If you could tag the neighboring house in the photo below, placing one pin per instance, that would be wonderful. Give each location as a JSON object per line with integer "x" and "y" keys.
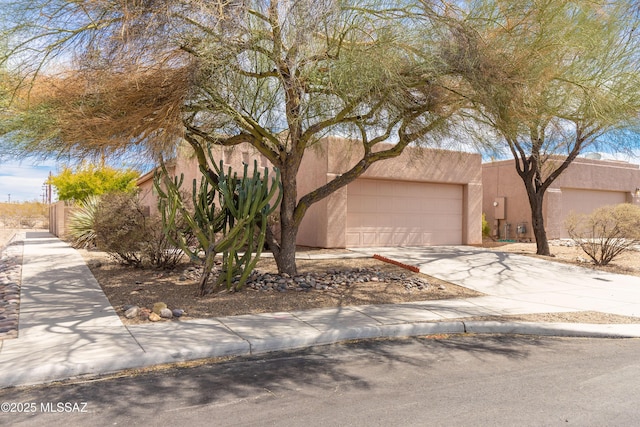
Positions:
{"x": 423, "y": 197}
{"x": 584, "y": 186}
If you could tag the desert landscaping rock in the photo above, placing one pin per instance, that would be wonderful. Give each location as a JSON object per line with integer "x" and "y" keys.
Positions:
{"x": 10, "y": 276}
{"x": 177, "y": 312}
{"x": 153, "y": 317}
{"x": 144, "y": 314}
{"x": 331, "y": 280}
{"x": 157, "y": 307}
{"x": 165, "y": 313}
{"x": 132, "y": 312}
{"x": 94, "y": 263}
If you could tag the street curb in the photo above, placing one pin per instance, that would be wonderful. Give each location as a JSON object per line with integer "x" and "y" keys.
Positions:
{"x": 583, "y": 330}
{"x": 335, "y": 336}
{"x": 48, "y": 373}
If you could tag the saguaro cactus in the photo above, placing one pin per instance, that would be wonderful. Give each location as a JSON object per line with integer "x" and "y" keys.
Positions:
{"x": 236, "y": 228}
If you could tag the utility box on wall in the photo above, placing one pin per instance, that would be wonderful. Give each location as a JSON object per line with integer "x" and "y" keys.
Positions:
{"x": 499, "y": 208}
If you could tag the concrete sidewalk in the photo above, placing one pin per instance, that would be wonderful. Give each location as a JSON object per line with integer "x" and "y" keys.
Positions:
{"x": 67, "y": 326}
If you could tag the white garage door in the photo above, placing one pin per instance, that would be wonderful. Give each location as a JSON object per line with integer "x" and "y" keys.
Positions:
{"x": 586, "y": 201}
{"x": 401, "y": 213}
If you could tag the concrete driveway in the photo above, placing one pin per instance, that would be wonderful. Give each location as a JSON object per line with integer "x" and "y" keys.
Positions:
{"x": 511, "y": 280}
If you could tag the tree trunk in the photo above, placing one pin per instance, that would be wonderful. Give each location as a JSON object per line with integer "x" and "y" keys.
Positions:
{"x": 286, "y": 256}
{"x": 286, "y": 259}
{"x": 537, "y": 221}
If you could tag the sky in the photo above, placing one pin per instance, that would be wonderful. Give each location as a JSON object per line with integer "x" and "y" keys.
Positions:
{"x": 22, "y": 181}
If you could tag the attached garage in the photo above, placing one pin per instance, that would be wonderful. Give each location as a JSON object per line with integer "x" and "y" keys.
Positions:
{"x": 582, "y": 201}
{"x": 586, "y": 201}
{"x": 584, "y": 186}
{"x": 422, "y": 197}
{"x": 403, "y": 213}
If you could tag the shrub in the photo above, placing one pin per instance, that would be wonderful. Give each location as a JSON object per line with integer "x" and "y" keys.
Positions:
{"x": 157, "y": 247}
{"x": 119, "y": 226}
{"x": 606, "y": 232}
{"x": 125, "y": 231}
{"x": 81, "y": 223}
{"x": 486, "y": 228}
{"x": 91, "y": 180}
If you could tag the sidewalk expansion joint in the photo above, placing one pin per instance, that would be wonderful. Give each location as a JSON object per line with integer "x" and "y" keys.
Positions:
{"x": 219, "y": 319}
{"x": 134, "y": 338}
{"x": 378, "y": 323}
{"x": 464, "y": 327}
{"x": 305, "y": 322}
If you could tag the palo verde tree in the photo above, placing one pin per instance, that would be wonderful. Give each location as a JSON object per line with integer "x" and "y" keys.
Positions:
{"x": 276, "y": 74}
{"x": 551, "y": 78}
{"x": 90, "y": 180}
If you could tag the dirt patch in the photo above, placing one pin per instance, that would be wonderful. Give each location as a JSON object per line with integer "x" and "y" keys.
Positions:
{"x": 178, "y": 289}
{"x": 593, "y": 317}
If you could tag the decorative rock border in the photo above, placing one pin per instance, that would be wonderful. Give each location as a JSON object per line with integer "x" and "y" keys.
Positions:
{"x": 10, "y": 281}
{"x": 329, "y": 281}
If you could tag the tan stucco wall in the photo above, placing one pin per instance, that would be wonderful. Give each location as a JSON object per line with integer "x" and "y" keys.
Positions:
{"x": 500, "y": 180}
{"x": 325, "y": 222}
{"x": 187, "y": 165}
{"x": 59, "y": 219}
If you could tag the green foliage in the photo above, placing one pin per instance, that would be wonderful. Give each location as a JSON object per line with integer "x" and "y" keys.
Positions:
{"x": 81, "y": 222}
{"x": 607, "y": 232}
{"x": 123, "y": 229}
{"x": 229, "y": 228}
{"x": 549, "y": 79}
{"x": 246, "y": 200}
{"x": 93, "y": 181}
{"x": 486, "y": 228}
{"x": 119, "y": 225}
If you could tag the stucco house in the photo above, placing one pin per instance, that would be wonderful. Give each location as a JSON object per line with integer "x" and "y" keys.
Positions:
{"x": 584, "y": 186}
{"x": 423, "y": 197}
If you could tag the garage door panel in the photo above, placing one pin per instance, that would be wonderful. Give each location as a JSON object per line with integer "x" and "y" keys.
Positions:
{"x": 444, "y": 206}
{"x": 395, "y": 213}
{"x": 582, "y": 201}
{"x": 586, "y": 201}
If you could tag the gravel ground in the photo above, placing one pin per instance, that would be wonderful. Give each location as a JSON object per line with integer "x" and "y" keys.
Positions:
{"x": 10, "y": 281}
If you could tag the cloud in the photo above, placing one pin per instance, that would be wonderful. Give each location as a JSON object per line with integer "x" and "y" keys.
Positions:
{"x": 23, "y": 180}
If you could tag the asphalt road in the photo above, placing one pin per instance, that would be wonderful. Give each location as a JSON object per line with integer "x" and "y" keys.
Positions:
{"x": 442, "y": 381}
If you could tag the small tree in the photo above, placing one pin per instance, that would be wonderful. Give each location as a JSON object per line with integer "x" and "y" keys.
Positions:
{"x": 551, "y": 78}
{"x": 607, "y": 232}
{"x": 278, "y": 75}
{"x": 90, "y": 180}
